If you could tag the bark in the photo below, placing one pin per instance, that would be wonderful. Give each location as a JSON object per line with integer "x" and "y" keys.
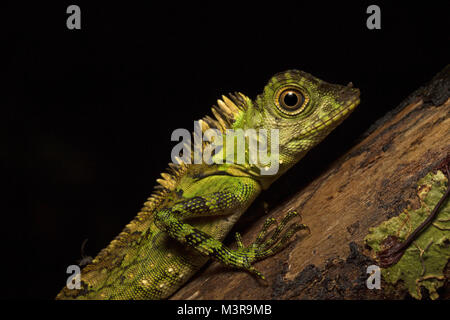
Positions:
{"x": 374, "y": 181}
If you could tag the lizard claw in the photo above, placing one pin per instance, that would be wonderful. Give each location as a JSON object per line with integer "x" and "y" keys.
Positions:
{"x": 262, "y": 248}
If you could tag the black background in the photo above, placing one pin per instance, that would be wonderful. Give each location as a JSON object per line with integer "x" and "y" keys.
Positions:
{"x": 89, "y": 113}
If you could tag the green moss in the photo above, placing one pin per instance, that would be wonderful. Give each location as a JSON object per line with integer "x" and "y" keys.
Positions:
{"x": 423, "y": 262}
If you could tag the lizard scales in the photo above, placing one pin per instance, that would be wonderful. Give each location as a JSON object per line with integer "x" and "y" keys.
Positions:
{"x": 194, "y": 206}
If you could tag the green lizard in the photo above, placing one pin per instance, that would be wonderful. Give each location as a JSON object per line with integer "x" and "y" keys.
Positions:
{"x": 194, "y": 206}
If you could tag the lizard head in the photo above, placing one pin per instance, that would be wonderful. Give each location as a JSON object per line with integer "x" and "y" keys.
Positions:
{"x": 303, "y": 108}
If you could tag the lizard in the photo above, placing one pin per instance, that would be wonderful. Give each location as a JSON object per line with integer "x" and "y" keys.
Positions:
{"x": 194, "y": 206}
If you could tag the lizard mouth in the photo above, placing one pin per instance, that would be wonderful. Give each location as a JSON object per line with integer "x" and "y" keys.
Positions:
{"x": 347, "y": 109}
{"x": 325, "y": 124}
{"x": 349, "y": 98}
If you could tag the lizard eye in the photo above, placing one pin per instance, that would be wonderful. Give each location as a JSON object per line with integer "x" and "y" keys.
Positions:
{"x": 290, "y": 100}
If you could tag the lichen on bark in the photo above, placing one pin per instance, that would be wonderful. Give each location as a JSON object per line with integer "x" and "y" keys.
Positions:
{"x": 422, "y": 265}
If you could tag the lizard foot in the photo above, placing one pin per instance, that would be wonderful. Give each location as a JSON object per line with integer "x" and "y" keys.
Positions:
{"x": 262, "y": 248}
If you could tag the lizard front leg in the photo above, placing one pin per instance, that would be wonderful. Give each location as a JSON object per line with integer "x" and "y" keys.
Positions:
{"x": 224, "y": 202}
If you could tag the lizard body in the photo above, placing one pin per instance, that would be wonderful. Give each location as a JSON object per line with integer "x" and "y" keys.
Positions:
{"x": 183, "y": 224}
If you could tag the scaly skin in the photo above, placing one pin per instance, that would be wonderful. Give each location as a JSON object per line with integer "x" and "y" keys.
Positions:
{"x": 163, "y": 247}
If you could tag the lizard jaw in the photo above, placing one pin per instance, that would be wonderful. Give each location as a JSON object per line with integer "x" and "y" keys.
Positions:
{"x": 326, "y": 123}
